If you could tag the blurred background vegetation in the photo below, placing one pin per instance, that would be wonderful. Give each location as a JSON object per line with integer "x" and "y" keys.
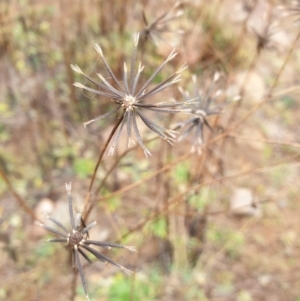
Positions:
{"x": 222, "y": 225}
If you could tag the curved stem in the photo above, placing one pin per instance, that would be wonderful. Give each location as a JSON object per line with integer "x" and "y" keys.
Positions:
{"x": 118, "y": 161}
{"x": 20, "y": 200}
{"x": 180, "y": 198}
{"x": 88, "y": 196}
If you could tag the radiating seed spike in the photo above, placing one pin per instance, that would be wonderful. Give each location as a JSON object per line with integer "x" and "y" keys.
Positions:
{"x": 141, "y": 68}
{"x": 79, "y": 85}
{"x": 99, "y": 49}
{"x": 176, "y": 79}
{"x": 172, "y": 55}
{"x": 182, "y": 68}
{"x": 128, "y": 272}
{"x": 88, "y": 122}
{"x": 101, "y": 77}
{"x": 76, "y": 69}
{"x": 147, "y": 152}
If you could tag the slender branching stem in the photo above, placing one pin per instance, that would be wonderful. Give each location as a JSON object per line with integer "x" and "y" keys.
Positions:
{"x": 19, "y": 199}
{"x": 180, "y": 198}
{"x": 148, "y": 178}
{"x": 88, "y": 196}
{"x": 113, "y": 167}
{"x": 265, "y": 99}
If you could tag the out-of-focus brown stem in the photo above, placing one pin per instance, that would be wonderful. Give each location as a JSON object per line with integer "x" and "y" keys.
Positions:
{"x": 182, "y": 196}
{"x": 19, "y": 199}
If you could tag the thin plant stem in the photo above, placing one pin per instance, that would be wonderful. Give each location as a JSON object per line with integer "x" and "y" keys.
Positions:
{"x": 88, "y": 196}
{"x": 19, "y": 199}
{"x": 248, "y": 75}
{"x": 281, "y": 143}
{"x": 182, "y": 197}
{"x": 113, "y": 167}
{"x": 265, "y": 99}
{"x": 148, "y": 178}
{"x": 241, "y": 34}
{"x": 119, "y": 158}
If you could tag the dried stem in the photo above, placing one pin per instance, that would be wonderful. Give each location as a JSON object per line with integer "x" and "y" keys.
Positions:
{"x": 19, "y": 199}
{"x": 182, "y": 197}
{"x": 260, "y": 104}
{"x": 86, "y": 208}
{"x": 149, "y": 177}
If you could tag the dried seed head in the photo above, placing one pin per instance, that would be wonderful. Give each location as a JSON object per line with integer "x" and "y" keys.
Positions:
{"x": 131, "y": 100}
{"x": 77, "y": 241}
